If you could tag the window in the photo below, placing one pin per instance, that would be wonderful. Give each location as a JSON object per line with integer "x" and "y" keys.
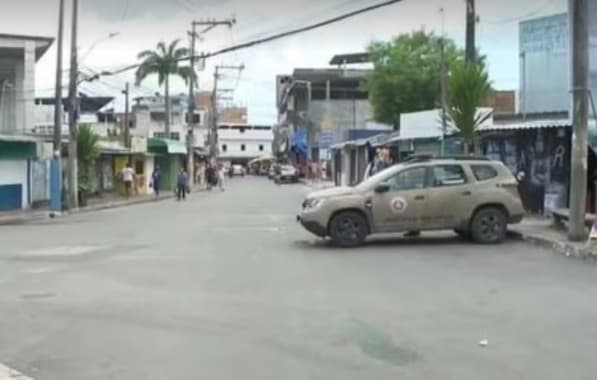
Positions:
{"x": 243, "y": 147}
{"x": 224, "y": 148}
{"x": 159, "y": 135}
{"x": 409, "y": 179}
{"x": 448, "y": 175}
{"x": 484, "y": 172}
{"x": 175, "y": 136}
{"x": 261, "y": 148}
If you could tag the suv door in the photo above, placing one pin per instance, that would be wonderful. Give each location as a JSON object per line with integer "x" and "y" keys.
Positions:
{"x": 402, "y": 206}
{"x": 449, "y": 194}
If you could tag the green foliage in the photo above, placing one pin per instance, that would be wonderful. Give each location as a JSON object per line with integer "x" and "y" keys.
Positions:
{"x": 163, "y": 62}
{"x": 88, "y": 152}
{"x": 407, "y": 72}
{"x": 469, "y": 88}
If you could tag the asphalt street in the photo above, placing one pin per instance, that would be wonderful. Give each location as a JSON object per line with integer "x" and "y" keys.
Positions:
{"x": 227, "y": 286}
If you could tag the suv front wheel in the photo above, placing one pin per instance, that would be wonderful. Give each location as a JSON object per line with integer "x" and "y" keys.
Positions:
{"x": 348, "y": 229}
{"x": 489, "y": 226}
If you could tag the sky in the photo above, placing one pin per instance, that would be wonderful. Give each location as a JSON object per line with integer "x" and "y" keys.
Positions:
{"x": 141, "y": 24}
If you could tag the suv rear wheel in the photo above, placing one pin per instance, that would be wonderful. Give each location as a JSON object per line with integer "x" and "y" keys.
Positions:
{"x": 489, "y": 226}
{"x": 348, "y": 229}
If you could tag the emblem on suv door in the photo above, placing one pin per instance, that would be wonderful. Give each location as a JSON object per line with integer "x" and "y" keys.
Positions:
{"x": 398, "y": 205}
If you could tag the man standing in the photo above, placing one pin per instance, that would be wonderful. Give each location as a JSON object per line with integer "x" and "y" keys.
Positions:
{"x": 182, "y": 185}
{"x": 156, "y": 179}
{"x": 128, "y": 177}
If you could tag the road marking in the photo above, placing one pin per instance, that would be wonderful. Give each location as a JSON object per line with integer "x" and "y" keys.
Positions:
{"x": 7, "y": 373}
{"x": 75, "y": 250}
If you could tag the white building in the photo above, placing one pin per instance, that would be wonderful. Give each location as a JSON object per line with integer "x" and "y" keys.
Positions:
{"x": 149, "y": 115}
{"x": 243, "y": 142}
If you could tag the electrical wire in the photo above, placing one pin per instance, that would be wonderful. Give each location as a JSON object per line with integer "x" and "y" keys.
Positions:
{"x": 275, "y": 36}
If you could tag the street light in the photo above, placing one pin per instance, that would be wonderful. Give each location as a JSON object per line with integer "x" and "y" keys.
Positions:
{"x": 97, "y": 42}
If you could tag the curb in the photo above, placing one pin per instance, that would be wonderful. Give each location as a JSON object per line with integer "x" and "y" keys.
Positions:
{"x": 46, "y": 215}
{"x": 564, "y": 248}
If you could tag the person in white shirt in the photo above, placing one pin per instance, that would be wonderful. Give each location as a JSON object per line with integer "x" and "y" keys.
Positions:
{"x": 128, "y": 177}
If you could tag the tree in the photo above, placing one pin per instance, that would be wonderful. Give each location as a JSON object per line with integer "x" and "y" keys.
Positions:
{"x": 406, "y": 77}
{"x": 163, "y": 62}
{"x": 88, "y": 152}
{"x": 469, "y": 87}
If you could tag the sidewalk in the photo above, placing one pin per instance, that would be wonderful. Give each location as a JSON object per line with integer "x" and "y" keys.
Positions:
{"x": 542, "y": 232}
{"x": 318, "y": 184}
{"x": 106, "y": 201}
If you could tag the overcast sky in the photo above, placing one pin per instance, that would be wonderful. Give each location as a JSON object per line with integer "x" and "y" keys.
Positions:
{"x": 142, "y": 23}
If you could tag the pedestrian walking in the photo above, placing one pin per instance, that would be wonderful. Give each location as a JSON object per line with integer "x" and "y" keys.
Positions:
{"x": 128, "y": 177}
{"x": 222, "y": 178}
{"x": 182, "y": 185}
{"x": 209, "y": 176}
{"x": 156, "y": 180}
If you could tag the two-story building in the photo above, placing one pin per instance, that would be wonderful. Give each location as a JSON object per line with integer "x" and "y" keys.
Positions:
{"x": 23, "y": 179}
{"x": 240, "y": 143}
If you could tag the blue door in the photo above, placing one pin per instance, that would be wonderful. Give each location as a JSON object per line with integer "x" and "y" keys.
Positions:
{"x": 11, "y": 197}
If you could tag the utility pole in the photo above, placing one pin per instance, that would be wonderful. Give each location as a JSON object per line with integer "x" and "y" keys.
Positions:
{"x": 209, "y": 25}
{"x": 471, "y": 18}
{"x": 578, "y": 10}
{"x": 126, "y": 128}
{"x": 213, "y": 135}
{"x": 444, "y": 86}
{"x": 58, "y": 92}
{"x": 73, "y": 186}
{"x": 56, "y": 167}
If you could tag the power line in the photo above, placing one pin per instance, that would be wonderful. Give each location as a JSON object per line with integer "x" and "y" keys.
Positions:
{"x": 276, "y": 36}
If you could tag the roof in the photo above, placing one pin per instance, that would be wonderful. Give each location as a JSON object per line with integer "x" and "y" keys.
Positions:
{"x": 531, "y": 124}
{"x": 340, "y": 59}
{"x": 41, "y": 43}
{"x": 20, "y": 138}
{"x": 87, "y": 103}
{"x": 330, "y": 74}
{"x": 166, "y": 146}
{"x": 373, "y": 140}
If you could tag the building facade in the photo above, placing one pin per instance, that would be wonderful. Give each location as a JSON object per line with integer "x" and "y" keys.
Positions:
{"x": 240, "y": 143}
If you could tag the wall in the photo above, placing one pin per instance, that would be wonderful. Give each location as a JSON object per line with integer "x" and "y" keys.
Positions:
{"x": 339, "y": 116}
{"x": 16, "y": 172}
{"x": 543, "y": 155}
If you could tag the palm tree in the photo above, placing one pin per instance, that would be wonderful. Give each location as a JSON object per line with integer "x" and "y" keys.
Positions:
{"x": 469, "y": 88}
{"x": 88, "y": 152}
{"x": 163, "y": 62}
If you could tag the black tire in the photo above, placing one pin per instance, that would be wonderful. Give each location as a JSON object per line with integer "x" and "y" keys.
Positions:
{"x": 348, "y": 229}
{"x": 465, "y": 234}
{"x": 489, "y": 226}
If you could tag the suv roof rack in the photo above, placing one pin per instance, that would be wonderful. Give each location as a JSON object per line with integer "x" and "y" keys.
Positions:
{"x": 429, "y": 157}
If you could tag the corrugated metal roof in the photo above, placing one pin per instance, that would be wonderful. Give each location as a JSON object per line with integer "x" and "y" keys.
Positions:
{"x": 531, "y": 124}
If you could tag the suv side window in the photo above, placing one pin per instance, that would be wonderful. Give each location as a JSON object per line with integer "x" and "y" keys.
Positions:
{"x": 409, "y": 179}
{"x": 448, "y": 175}
{"x": 484, "y": 172}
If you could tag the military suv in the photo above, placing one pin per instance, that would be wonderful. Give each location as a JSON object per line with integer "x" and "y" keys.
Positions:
{"x": 475, "y": 197}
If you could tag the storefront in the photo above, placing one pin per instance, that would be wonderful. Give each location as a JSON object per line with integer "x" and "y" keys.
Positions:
{"x": 170, "y": 155}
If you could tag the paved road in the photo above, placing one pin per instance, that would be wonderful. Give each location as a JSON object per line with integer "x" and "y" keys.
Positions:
{"x": 226, "y": 286}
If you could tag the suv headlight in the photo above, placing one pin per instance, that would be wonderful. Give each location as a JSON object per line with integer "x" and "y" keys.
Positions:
{"x": 312, "y": 203}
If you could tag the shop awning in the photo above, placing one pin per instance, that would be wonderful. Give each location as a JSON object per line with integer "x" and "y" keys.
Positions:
{"x": 201, "y": 152}
{"x": 166, "y": 146}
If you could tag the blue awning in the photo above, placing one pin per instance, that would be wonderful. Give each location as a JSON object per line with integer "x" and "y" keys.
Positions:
{"x": 299, "y": 140}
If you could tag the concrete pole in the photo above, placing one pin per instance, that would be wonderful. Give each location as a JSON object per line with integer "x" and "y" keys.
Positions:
{"x": 578, "y": 10}
{"x": 126, "y": 127}
{"x": 56, "y": 165}
{"x": 470, "y": 31}
{"x": 73, "y": 183}
{"x": 191, "y": 113}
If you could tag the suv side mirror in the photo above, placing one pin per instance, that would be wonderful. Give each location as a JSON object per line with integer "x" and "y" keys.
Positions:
{"x": 382, "y": 188}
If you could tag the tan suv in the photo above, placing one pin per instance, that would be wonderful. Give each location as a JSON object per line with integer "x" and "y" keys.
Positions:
{"x": 475, "y": 197}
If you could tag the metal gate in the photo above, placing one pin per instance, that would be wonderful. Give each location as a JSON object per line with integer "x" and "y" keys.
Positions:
{"x": 40, "y": 181}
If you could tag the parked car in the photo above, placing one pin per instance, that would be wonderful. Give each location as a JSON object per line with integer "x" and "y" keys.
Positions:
{"x": 475, "y": 197}
{"x": 237, "y": 170}
{"x": 287, "y": 174}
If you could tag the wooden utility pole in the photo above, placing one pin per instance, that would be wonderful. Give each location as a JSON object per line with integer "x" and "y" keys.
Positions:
{"x": 126, "y": 128}
{"x": 578, "y": 10}
{"x": 58, "y": 90}
{"x": 73, "y": 185}
{"x": 471, "y": 18}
